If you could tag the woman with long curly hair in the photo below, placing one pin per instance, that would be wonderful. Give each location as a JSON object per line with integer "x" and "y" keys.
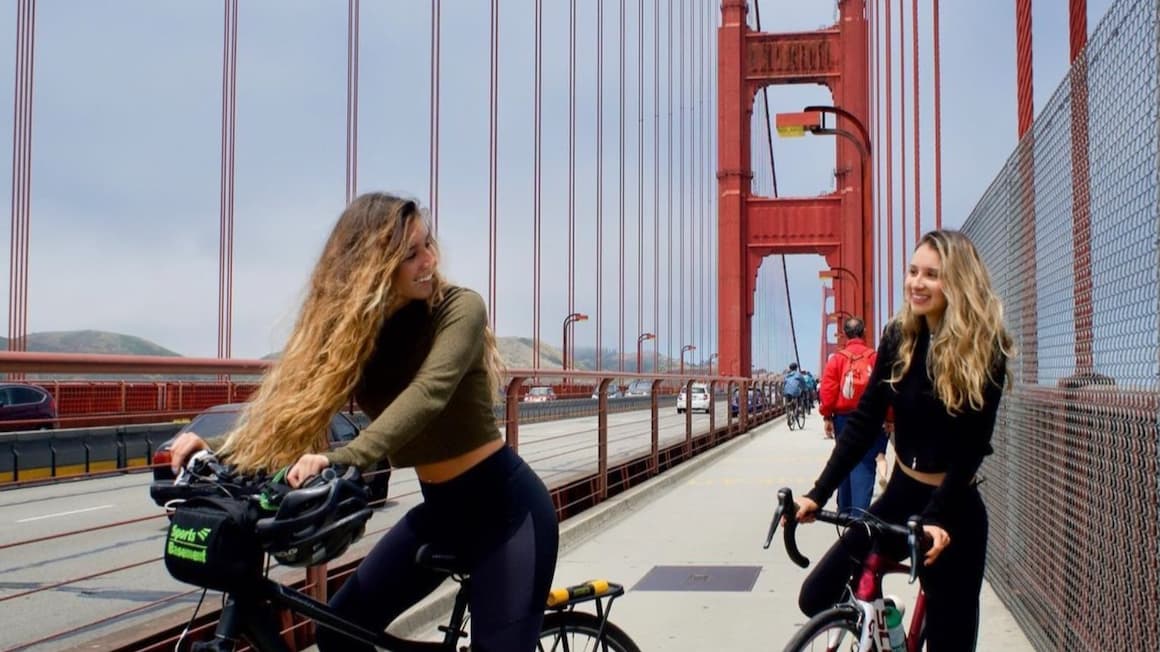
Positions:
{"x": 942, "y": 366}
{"x": 381, "y": 325}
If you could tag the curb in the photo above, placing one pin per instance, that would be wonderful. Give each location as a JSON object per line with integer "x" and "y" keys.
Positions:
{"x": 432, "y": 611}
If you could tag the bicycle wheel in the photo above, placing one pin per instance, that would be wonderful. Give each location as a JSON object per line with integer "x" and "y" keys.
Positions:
{"x": 800, "y": 413}
{"x": 832, "y": 630}
{"x": 576, "y": 631}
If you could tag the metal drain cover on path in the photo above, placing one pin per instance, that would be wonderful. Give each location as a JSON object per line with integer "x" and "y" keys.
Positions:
{"x": 699, "y": 578}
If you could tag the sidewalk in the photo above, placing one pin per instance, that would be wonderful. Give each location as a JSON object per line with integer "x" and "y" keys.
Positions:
{"x": 717, "y": 516}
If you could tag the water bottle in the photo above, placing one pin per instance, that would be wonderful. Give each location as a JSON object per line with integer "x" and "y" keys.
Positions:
{"x": 894, "y": 628}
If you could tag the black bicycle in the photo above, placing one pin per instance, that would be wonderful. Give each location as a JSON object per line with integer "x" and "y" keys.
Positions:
{"x": 219, "y": 539}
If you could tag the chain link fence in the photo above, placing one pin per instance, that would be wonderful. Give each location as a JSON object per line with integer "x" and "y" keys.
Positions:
{"x": 1071, "y": 233}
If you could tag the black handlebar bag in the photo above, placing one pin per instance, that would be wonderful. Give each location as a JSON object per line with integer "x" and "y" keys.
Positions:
{"x": 211, "y": 543}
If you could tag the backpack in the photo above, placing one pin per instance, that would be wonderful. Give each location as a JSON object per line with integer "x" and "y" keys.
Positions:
{"x": 854, "y": 380}
{"x": 793, "y": 385}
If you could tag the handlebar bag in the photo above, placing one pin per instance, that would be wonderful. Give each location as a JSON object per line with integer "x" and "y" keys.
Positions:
{"x": 211, "y": 543}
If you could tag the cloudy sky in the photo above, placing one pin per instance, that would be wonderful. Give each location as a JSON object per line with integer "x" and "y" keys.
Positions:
{"x": 126, "y": 160}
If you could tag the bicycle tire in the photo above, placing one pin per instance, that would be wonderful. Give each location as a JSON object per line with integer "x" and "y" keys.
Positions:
{"x": 576, "y": 631}
{"x": 844, "y": 619}
{"x": 801, "y": 419}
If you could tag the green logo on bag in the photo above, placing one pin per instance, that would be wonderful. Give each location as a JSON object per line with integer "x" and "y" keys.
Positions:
{"x": 189, "y": 535}
{"x": 187, "y": 543}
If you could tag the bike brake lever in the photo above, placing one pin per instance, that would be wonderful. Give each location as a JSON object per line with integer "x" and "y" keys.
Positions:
{"x": 913, "y": 537}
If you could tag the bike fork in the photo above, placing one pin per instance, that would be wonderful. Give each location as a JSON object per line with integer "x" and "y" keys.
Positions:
{"x": 248, "y": 616}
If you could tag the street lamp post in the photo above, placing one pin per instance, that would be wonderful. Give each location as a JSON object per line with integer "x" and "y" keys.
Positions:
{"x": 687, "y": 347}
{"x": 569, "y": 320}
{"x": 640, "y": 339}
{"x": 811, "y": 120}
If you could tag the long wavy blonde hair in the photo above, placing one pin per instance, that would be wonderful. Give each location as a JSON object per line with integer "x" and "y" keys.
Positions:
{"x": 350, "y": 296}
{"x": 963, "y": 349}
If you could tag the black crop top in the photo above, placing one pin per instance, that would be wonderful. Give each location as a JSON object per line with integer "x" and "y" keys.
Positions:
{"x": 926, "y": 437}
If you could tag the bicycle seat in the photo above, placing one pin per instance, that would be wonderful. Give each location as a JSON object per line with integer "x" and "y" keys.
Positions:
{"x": 442, "y": 561}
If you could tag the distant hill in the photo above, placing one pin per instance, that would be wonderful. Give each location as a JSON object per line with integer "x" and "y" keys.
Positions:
{"x": 91, "y": 342}
{"x": 517, "y": 354}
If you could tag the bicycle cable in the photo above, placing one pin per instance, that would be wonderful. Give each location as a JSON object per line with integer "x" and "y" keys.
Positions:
{"x": 184, "y": 632}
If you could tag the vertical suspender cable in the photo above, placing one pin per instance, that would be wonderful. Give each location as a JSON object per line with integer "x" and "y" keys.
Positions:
{"x": 917, "y": 99}
{"x": 352, "y": 49}
{"x": 493, "y": 175}
{"x": 902, "y": 124}
{"x": 536, "y": 199}
{"x": 657, "y": 182}
{"x": 640, "y": 175}
{"x": 669, "y": 167}
{"x": 937, "y": 118}
{"x": 226, "y": 233}
{"x": 620, "y": 212}
{"x": 889, "y": 120}
{"x": 436, "y": 47}
{"x": 21, "y": 202}
{"x": 571, "y": 174}
{"x": 599, "y": 183}
{"x": 681, "y": 182}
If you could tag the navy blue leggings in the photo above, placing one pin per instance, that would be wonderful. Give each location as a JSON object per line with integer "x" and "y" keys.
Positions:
{"x": 952, "y": 584}
{"x": 499, "y": 517}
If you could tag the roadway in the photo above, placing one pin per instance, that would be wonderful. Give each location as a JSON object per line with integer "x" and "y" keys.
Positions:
{"x": 141, "y": 590}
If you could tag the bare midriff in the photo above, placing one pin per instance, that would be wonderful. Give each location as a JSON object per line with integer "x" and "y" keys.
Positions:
{"x": 444, "y": 470}
{"x": 932, "y": 479}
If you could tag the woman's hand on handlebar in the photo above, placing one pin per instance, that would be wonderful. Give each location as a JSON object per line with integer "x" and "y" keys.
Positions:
{"x": 307, "y": 466}
{"x": 183, "y": 448}
{"x": 805, "y": 509}
{"x": 940, "y": 539}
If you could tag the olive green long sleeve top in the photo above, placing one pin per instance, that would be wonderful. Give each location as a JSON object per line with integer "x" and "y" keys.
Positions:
{"x": 426, "y": 386}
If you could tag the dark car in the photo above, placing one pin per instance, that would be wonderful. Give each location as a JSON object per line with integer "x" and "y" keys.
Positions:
{"x": 23, "y": 403}
{"x": 756, "y": 402}
{"x": 220, "y": 419}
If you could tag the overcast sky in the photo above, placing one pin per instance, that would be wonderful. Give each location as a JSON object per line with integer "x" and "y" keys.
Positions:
{"x": 126, "y": 160}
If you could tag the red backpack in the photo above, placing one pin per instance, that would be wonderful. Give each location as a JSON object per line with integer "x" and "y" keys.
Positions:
{"x": 854, "y": 379}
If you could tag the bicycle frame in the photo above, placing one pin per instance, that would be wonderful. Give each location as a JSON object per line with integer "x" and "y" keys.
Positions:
{"x": 868, "y": 600}
{"x": 249, "y": 615}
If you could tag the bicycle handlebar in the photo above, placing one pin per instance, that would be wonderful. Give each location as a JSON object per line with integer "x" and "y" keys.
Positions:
{"x": 916, "y": 539}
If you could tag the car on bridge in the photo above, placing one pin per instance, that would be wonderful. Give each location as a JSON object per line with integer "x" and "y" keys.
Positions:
{"x": 220, "y": 419}
{"x": 698, "y": 401}
{"x": 30, "y": 406}
{"x": 540, "y": 394}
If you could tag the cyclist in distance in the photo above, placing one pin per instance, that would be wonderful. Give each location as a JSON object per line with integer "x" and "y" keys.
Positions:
{"x": 942, "y": 365}
{"x": 380, "y": 323}
{"x": 794, "y": 383}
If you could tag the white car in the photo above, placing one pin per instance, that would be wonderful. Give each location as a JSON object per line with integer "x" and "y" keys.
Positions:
{"x": 699, "y": 400}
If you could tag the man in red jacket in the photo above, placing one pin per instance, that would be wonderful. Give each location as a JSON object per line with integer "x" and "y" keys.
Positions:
{"x": 844, "y": 380}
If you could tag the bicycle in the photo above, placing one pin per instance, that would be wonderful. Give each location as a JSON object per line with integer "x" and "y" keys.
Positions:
{"x": 317, "y": 523}
{"x": 861, "y": 616}
{"x": 795, "y": 412}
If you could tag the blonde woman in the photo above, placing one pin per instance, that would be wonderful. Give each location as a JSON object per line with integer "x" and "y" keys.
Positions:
{"x": 942, "y": 365}
{"x": 380, "y": 324}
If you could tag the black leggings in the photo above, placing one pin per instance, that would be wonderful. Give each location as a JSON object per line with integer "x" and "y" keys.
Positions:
{"x": 499, "y": 517}
{"x": 952, "y": 584}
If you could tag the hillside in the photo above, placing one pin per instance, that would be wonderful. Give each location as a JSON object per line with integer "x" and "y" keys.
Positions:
{"x": 517, "y": 354}
{"x": 91, "y": 342}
